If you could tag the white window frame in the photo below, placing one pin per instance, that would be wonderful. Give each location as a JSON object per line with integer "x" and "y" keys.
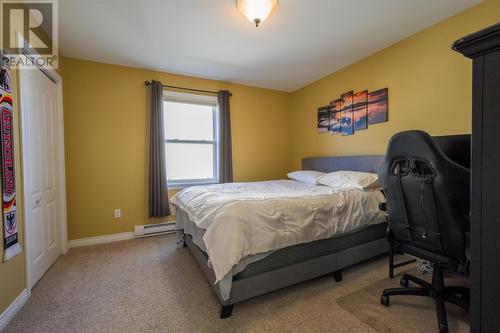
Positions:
{"x": 179, "y": 97}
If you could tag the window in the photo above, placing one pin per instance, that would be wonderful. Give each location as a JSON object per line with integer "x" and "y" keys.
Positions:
{"x": 191, "y": 139}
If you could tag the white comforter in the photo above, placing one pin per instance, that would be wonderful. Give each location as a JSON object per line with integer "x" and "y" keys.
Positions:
{"x": 245, "y": 219}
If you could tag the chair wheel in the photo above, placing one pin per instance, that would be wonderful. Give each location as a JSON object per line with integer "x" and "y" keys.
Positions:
{"x": 384, "y": 300}
{"x": 404, "y": 282}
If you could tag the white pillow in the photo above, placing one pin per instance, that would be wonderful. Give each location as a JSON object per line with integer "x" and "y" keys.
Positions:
{"x": 306, "y": 176}
{"x": 350, "y": 179}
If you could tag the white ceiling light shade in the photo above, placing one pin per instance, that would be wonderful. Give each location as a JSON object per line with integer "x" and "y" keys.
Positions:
{"x": 256, "y": 11}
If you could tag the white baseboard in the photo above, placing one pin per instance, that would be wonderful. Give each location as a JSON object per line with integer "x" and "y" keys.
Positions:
{"x": 13, "y": 309}
{"x": 101, "y": 239}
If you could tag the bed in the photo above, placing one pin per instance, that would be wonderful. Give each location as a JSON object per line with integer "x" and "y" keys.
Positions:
{"x": 289, "y": 258}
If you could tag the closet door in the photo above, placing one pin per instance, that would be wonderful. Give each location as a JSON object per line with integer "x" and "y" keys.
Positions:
{"x": 40, "y": 155}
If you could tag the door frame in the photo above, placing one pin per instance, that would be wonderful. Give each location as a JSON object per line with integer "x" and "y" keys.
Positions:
{"x": 63, "y": 226}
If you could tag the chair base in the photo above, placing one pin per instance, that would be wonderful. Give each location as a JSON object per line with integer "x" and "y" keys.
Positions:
{"x": 459, "y": 296}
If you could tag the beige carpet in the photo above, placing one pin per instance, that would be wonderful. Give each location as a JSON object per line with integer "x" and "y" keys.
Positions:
{"x": 148, "y": 285}
{"x": 410, "y": 314}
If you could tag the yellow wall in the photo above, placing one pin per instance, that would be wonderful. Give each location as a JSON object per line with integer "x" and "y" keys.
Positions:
{"x": 105, "y": 109}
{"x": 106, "y": 123}
{"x": 429, "y": 89}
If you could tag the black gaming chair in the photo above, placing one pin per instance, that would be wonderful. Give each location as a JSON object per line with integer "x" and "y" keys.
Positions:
{"x": 428, "y": 213}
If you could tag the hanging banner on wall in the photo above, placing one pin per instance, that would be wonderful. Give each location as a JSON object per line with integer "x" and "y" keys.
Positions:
{"x": 10, "y": 228}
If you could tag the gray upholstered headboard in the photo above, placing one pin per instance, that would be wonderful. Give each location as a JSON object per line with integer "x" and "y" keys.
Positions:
{"x": 364, "y": 163}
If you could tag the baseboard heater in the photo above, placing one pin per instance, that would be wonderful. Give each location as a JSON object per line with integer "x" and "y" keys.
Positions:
{"x": 154, "y": 229}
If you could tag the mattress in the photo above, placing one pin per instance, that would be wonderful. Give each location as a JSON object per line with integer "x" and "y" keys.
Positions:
{"x": 243, "y": 220}
{"x": 300, "y": 253}
{"x": 290, "y": 255}
{"x": 272, "y": 260}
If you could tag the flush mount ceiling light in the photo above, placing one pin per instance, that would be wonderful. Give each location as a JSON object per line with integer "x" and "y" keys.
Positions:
{"x": 256, "y": 11}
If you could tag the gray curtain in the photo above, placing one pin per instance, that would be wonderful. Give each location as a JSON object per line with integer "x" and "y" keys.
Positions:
{"x": 225, "y": 149}
{"x": 158, "y": 195}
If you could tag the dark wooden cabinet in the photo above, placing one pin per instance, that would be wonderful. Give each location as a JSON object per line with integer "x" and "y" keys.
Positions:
{"x": 483, "y": 48}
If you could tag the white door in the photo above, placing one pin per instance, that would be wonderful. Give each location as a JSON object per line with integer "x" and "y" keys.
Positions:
{"x": 40, "y": 140}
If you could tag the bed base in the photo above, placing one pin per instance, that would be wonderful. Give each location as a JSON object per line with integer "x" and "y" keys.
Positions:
{"x": 286, "y": 276}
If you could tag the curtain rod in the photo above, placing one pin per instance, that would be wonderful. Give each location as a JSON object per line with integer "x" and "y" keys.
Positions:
{"x": 148, "y": 83}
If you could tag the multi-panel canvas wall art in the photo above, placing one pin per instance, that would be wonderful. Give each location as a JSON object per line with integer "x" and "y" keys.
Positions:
{"x": 353, "y": 112}
{"x": 377, "y": 107}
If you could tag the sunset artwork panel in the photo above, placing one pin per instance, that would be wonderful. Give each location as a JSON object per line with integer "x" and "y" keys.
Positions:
{"x": 347, "y": 116}
{"x": 346, "y": 100}
{"x": 347, "y": 122}
{"x": 377, "y": 106}
{"x": 335, "y": 116}
{"x": 360, "y": 110}
{"x": 323, "y": 119}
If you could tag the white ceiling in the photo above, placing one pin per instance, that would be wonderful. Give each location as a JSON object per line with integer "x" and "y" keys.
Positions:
{"x": 302, "y": 41}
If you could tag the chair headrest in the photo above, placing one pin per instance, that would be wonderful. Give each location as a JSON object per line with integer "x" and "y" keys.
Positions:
{"x": 415, "y": 143}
